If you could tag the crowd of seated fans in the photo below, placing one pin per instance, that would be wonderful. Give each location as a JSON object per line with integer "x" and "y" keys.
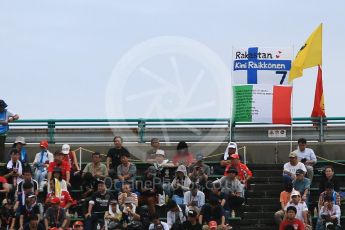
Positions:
{"x": 295, "y": 199}
{"x": 37, "y": 195}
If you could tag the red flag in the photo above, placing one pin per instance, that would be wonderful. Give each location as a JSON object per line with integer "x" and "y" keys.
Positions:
{"x": 319, "y": 106}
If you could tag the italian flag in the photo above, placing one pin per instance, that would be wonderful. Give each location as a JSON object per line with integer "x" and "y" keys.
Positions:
{"x": 262, "y": 104}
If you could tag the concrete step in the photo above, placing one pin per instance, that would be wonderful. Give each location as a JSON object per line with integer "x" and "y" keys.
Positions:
{"x": 253, "y": 215}
{"x": 268, "y": 173}
{"x": 265, "y": 180}
{"x": 263, "y": 194}
{"x": 263, "y": 207}
{"x": 278, "y": 187}
{"x": 256, "y": 201}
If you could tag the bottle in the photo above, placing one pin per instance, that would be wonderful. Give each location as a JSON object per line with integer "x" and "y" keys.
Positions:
{"x": 76, "y": 215}
{"x": 233, "y": 214}
{"x": 211, "y": 170}
{"x": 98, "y": 226}
{"x": 315, "y": 212}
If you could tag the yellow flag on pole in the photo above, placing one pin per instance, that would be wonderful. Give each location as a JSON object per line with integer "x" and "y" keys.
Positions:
{"x": 309, "y": 55}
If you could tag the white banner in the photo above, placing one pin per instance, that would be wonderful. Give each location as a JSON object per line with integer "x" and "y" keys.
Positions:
{"x": 261, "y": 65}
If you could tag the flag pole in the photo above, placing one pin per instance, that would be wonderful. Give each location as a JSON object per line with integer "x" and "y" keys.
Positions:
{"x": 291, "y": 126}
{"x": 231, "y": 94}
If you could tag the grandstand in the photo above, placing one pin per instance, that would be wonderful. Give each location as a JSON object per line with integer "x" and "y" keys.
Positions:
{"x": 264, "y": 155}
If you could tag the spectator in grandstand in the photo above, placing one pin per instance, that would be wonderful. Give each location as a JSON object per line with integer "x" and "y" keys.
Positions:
{"x": 6, "y": 116}
{"x": 59, "y": 162}
{"x": 216, "y": 193}
{"x": 285, "y": 197}
{"x": 34, "y": 223}
{"x": 19, "y": 144}
{"x": 194, "y": 199}
{"x": 113, "y": 216}
{"x": 56, "y": 189}
{"x": 301, "y": 207}
{"x": 151, "y": 153}
{"x": 291, "y": 220}
{"x": 244, "y": 173}
{"x": 157, "y": 224}
{"x": 126, "y": 191}
{"x": 302, "y": 185}
{"x": 28, "y": 188}
{"x": 329, "y": 191}
{"x": 160, "y": 161}
{"x": 41, "y": 163}
{"x": 13, "y": 172}
{"x": 329, "y": 215}
{"x": 192, "y": 222}
{"x": 329, "y": 176}
{"x": 29, "y": 209}
{"x": 78, "y": 225}
{"x": 199, "y": 171}
{"x": 232, "y": 190}
{"x": 70, "y": 157}
{"x": 182, "y": 156}
{"x": 225, "y": 160}
{"x": 306, "y": 156}
{"x": 55, "y": 216}
{"x": 126, "y": 172}
{"x": 290, "y": 168}
{"x": 98, "y": 205}
{"x": 4, "y": 188}
{"x": 89, "y": 185}
{"x": 114, "y": 155}
{"x": 27, "y": 178}
{"x": 6, "y": 214}
{"x": 175, "y": 215}
{"x": 131, "y": 218}
{"x": 96, "y": 168}
{"x": 213, "y": 211}
{"x": 181, "y": 180}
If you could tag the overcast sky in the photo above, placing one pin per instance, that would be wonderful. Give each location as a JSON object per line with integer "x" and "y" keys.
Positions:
{"x": 122, "y": 59}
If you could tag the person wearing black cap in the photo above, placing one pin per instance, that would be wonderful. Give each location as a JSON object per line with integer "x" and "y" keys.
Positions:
{"x": 291, "y": 220}
{"x": 6, "y": 116}
{"x": 192, "y": 222}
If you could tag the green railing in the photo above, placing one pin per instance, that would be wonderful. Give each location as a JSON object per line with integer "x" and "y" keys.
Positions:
{"x": 141, "y": 124}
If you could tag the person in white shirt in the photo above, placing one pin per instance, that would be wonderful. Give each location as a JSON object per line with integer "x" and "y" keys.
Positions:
{"x": 157, "y": 224}
{"x": 301, "y": 207}
{"x": 194, "y": 199}
{"x": 41, "y": 163}
{"x": 175, "y": 215}
{"x": 290, "y": 168}
{"x": 329, "y": 215}
{"x": 306, "y": 156}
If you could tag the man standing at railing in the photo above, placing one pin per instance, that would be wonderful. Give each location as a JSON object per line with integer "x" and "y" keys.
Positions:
{"x": 6, "y": 116}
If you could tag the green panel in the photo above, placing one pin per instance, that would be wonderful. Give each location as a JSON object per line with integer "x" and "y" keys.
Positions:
{"x": 243, "y": 103}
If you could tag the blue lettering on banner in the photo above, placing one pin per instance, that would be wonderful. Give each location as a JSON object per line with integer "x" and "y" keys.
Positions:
{"x": 253, "y": 64}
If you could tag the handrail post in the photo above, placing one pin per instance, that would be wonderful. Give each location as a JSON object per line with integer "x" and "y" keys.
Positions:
{"x": 141, "y": 126}
{"x": 321, "y": 130}
{"x": 51, "y": 131}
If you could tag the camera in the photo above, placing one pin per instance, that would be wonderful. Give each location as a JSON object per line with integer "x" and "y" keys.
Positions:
{"x": 303, "y": 160}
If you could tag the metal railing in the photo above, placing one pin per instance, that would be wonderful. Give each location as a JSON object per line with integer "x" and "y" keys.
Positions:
{"x": 321, "y": 129}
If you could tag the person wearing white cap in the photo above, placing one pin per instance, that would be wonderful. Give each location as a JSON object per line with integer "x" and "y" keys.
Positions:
{"x": 19, "y": 145}
{"x": 225, "y": 159}
{"x": 301, "y": 207}
{"x": 161, "y": 161}
{"x": 71, "y": 157}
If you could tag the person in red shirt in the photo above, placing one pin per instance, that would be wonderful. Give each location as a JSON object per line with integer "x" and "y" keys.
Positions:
{"x": 244, "y": 173}
{"x": 183, "y": 156}
{"x": 66, "y": 201}
{"x": 291, "y": 220}
{"x": 59, "y": 162}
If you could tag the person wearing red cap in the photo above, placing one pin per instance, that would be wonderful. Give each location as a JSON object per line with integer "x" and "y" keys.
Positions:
{"x": 6, "y": 116}
{"x": 41, "y": 163}
{"x": 244, "y": 173}
{"x": 55, "y": 216}
{"x": 78, "y": 225}
{"x": 59, "y": 162}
